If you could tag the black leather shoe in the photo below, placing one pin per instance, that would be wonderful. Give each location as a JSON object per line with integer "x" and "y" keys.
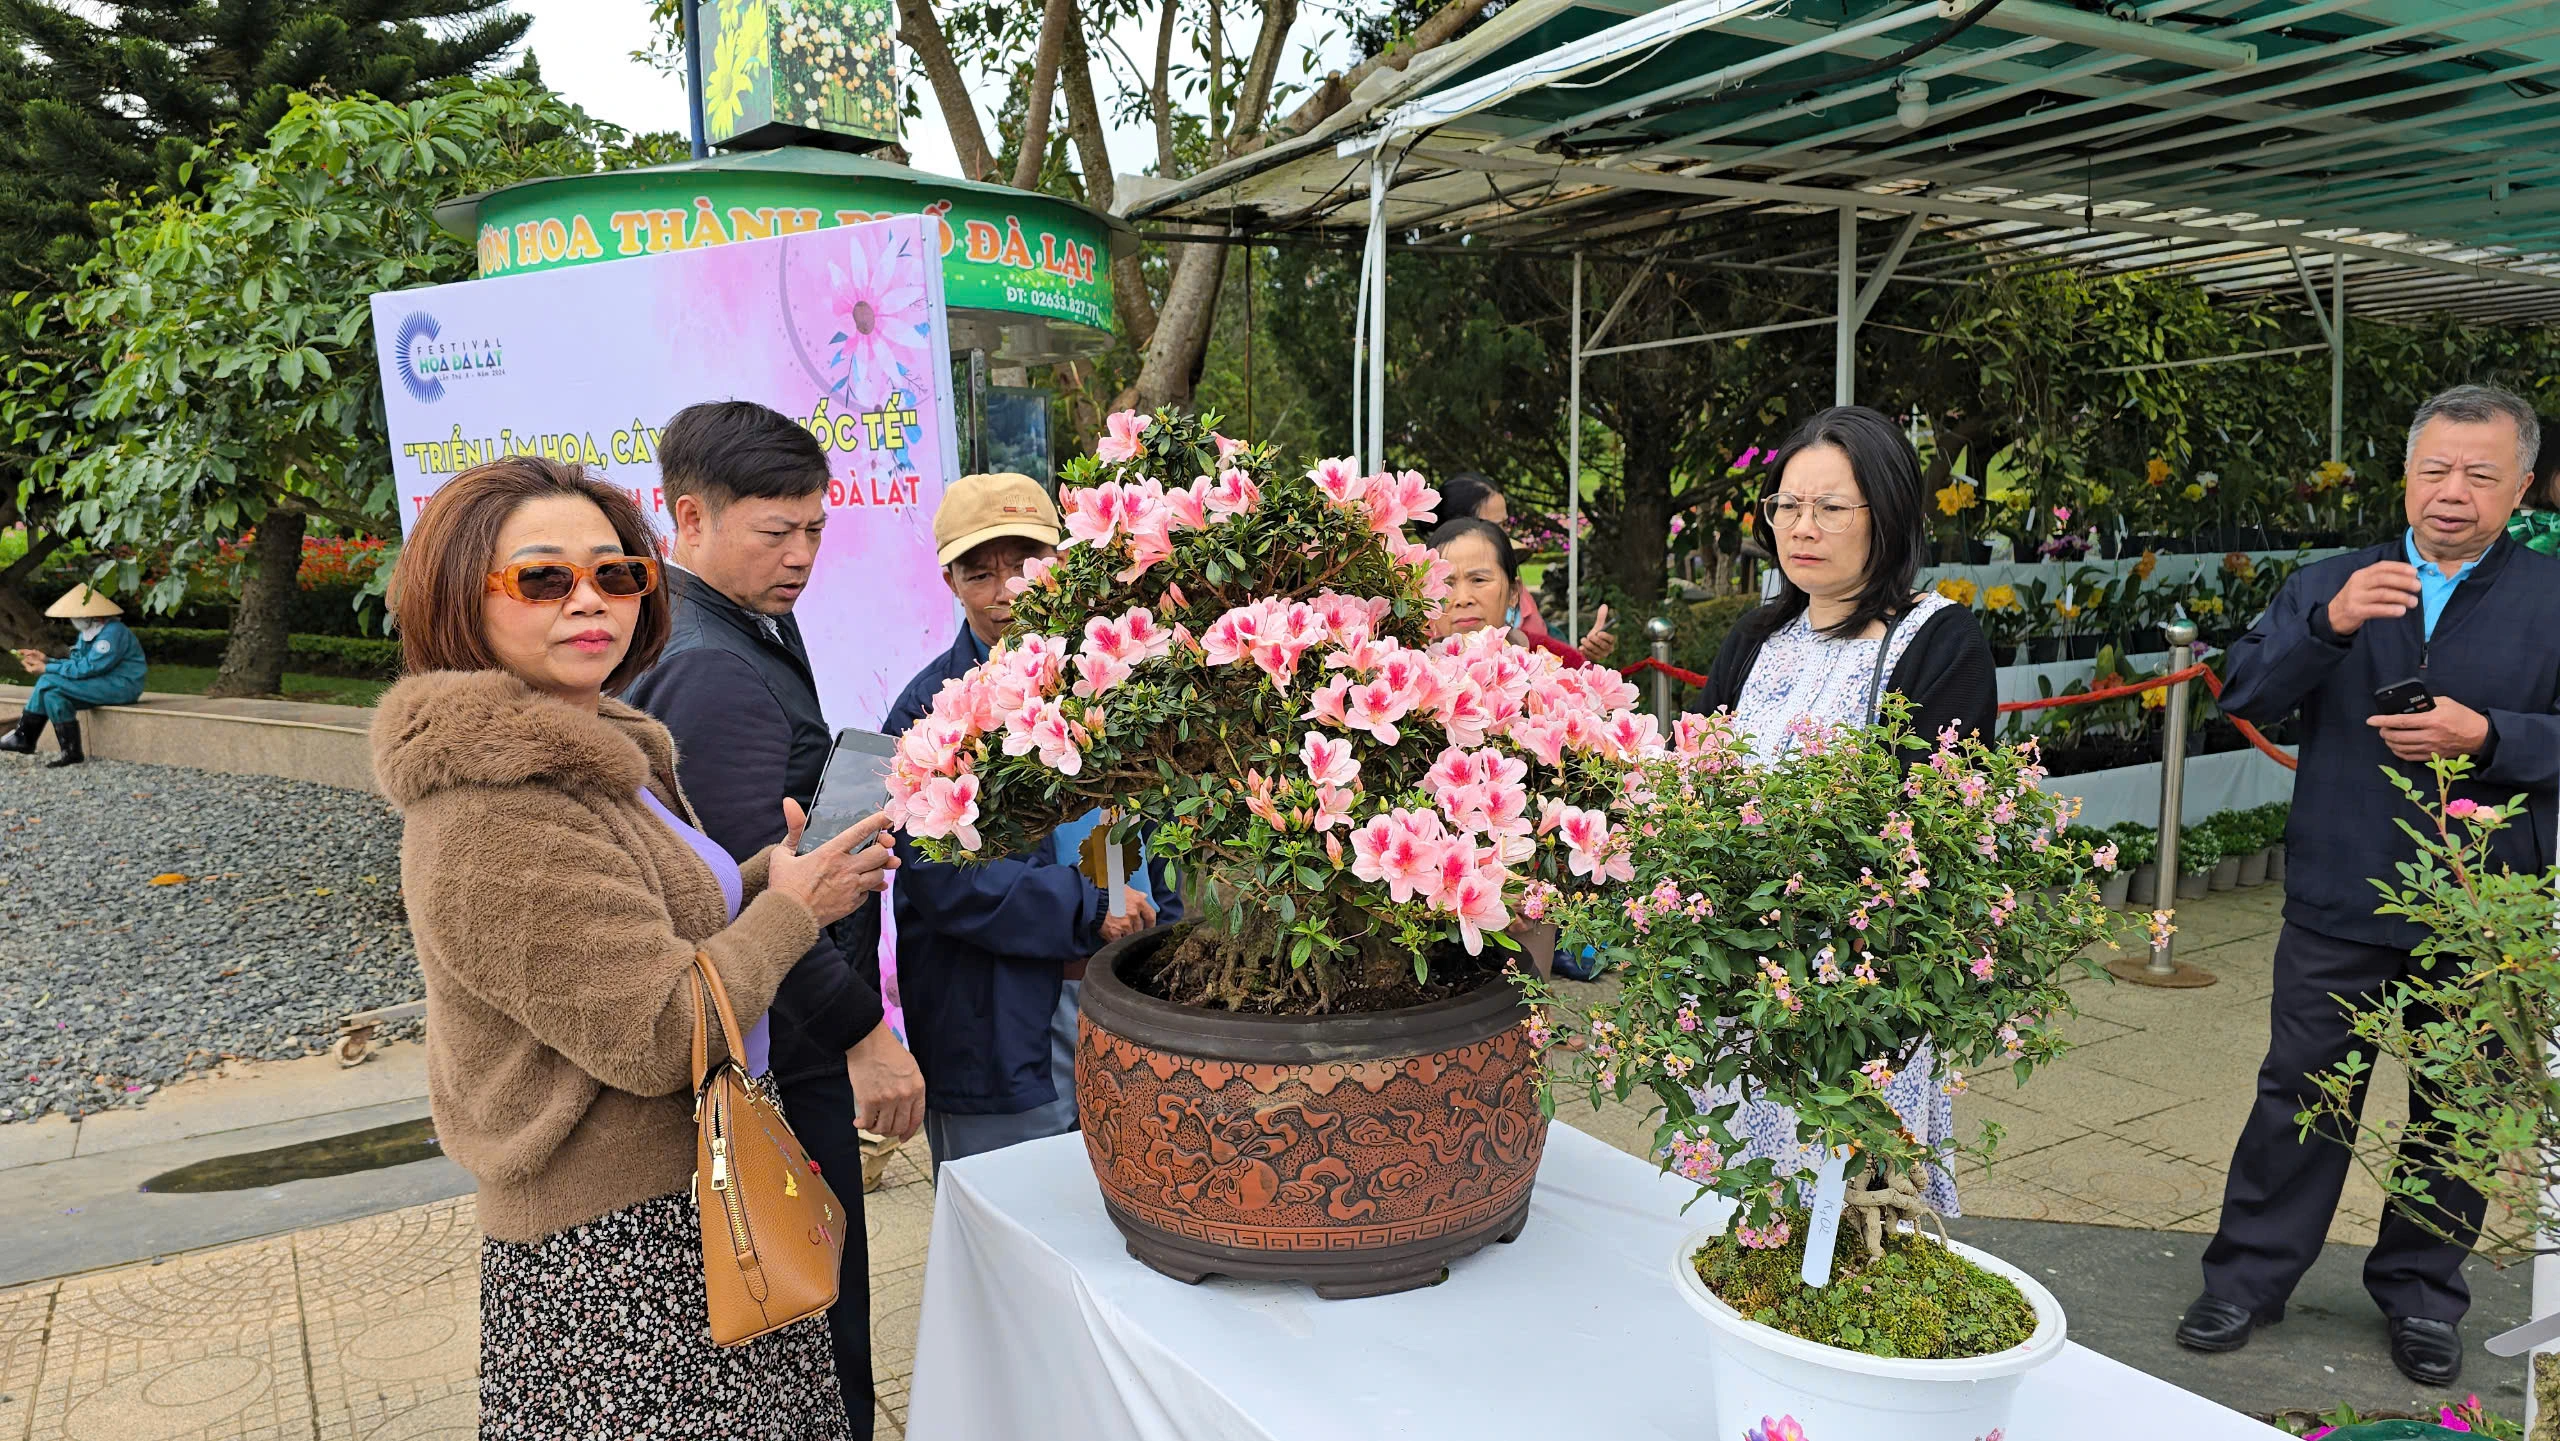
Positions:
{"x": 22, "y": 740}
{"x": 2213, "y": 1324}
{"x": 69, "y": 734}
{"x": 2426, "y": 1351}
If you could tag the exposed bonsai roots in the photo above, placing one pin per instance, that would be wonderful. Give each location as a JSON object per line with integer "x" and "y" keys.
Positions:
{"x": 1877, "y": 1193}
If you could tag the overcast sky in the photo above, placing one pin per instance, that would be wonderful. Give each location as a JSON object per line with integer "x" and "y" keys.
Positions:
{"x": 585, "y": 48}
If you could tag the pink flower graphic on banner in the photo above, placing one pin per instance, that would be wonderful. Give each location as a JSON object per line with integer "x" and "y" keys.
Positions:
{"x": 880, "y": 317}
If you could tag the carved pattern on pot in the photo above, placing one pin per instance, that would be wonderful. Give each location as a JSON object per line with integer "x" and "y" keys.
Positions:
{"x": 1292, "y": 1159}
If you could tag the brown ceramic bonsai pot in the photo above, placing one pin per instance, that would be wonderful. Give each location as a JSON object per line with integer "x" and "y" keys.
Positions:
{"x": 1360, "y": 1154}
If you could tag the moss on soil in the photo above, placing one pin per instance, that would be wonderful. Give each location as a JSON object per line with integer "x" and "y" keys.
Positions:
{"x": 1920, "y": 1302}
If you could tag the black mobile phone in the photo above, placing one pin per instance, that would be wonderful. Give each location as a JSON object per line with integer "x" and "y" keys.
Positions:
{"x": 2403, "y": 697}
{"x": 855, "y": 784}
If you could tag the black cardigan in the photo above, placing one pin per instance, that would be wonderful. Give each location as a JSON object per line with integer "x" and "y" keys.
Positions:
{"x": 1946, "y": 674}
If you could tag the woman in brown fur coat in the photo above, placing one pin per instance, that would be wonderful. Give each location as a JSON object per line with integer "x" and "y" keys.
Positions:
{"x": 558, "y": 891}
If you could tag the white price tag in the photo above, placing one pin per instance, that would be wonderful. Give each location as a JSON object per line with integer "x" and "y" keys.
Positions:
{"x": 1822, "y": 1229}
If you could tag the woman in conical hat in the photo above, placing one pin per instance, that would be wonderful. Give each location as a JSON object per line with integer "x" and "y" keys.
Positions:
{"x": 105, "y": 667}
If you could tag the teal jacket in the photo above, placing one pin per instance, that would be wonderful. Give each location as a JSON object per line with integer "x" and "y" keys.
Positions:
{"x": 110, "y": 661}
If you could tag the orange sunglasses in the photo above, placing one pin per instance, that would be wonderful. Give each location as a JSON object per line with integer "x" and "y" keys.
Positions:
{"x": 549, "y": 582}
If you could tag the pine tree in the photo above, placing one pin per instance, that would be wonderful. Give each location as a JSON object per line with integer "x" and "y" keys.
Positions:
{"x": 110, "y": 106}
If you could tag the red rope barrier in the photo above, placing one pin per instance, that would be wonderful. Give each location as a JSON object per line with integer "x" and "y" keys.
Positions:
{"x": 2198, "y": 671}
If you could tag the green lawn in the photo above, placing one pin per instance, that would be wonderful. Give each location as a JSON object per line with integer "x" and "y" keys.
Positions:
{"x": 192, "y": 679}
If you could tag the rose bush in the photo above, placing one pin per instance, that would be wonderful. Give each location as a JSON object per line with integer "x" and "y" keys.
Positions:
{"x": 1235, "y": 654}
{"x": 1795, "y": 933}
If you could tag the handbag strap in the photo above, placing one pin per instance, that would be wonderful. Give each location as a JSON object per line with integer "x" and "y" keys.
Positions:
{"x": 710, "y": 996}
{"x": 1875, "y": 681}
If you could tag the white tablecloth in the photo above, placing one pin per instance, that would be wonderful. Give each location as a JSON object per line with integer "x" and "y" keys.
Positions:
{"x": 1037, "y": 1324}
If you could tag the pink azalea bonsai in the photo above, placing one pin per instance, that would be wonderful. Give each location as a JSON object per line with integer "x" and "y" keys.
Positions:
{"x": 1236, "y": 653}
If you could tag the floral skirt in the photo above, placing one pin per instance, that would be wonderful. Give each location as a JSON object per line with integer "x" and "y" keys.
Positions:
{"x": 600, "y": 1332}
{"x": 1926, "y": 1106}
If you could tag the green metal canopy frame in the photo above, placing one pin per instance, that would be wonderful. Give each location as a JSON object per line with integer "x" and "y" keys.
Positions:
{"x": 2400, "y": 157}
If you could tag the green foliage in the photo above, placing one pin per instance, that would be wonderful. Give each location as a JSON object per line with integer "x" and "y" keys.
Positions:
{"x": 1921, "y": 1301}
{"x": 2201, "y": 846}
{"x": 233, "y": 329}
{"x": 2472, "y": 1025}
{"x": 1812, "y": 925}
{"x": 2136, "y": 844}
{"x": 354, "y": 657}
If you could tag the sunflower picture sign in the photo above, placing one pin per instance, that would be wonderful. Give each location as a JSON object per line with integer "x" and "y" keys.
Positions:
{"x": 799, "y": 72}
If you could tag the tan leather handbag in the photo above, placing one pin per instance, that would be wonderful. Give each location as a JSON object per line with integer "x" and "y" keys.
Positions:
{"x": 772, "y": 1229}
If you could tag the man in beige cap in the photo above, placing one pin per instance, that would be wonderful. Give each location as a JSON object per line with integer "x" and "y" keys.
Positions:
{"x": 991, "y": 956}
{"x": 105, "y": 667}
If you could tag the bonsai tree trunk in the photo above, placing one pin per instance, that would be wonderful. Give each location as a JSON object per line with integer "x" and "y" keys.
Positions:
{"x": 253, "y": 660}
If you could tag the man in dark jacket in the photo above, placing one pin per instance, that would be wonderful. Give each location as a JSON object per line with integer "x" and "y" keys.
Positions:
{"x": 747, "y": 489}
{"x": 2454, "y": 603}
{"x": 991, "y": 956}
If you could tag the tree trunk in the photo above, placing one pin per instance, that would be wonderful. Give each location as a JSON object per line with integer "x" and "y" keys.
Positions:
{"x": 1636, "y": 555}
{"x": 921, "y": 29}
{"x": 22, "y": 623}
{"x": 253, "y": 660}
{"x": 1180, "y": 343}
{"x": 1034, "y": 155}
{"x": 1135, "y": 307}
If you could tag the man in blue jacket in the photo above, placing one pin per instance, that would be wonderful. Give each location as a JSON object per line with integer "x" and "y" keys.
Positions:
{"x": 105, "y": 667}
{"x": 2455, "y": 604}
{"x": 747, "y": 487}
{"x": 991, "y": 956}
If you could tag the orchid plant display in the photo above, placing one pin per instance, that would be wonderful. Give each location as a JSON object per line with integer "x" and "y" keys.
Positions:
{"x": 1796, "y": 932}
{"x": 1235, "y": 653}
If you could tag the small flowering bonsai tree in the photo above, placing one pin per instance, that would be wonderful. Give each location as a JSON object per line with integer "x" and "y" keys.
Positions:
{"x": 2473, "y": 1026}
{"x": 1795, "y": 933}
{"x": 1234, "y": 655}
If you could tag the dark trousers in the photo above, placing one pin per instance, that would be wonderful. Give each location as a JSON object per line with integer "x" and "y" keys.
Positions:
{"x": 2283, "y": 1189}
{"x": 820, "y": 1108}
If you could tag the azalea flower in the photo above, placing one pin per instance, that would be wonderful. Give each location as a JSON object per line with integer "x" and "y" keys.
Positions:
{"x": 1329, "y": 762}
{"x": 1120, "y": 441}
{"x": 944, "y": 806}
{"x": 1340, "y": 480}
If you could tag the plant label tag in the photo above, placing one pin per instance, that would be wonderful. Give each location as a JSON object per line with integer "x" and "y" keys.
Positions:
{"x": 1822, "y": 1229}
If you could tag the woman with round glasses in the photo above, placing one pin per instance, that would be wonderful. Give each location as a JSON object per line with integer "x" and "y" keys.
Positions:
{"x": 1846, "y": 627}
{"x": 558, "y": 890}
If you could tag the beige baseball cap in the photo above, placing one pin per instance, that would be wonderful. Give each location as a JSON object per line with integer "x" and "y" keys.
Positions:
{"x": 976, "y": 509}
{"x": 82, "y": 603}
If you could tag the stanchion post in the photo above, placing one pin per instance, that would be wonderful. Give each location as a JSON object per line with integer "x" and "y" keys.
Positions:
{"x": 1659, "y": 631}
{"x": 2162, "y": 968}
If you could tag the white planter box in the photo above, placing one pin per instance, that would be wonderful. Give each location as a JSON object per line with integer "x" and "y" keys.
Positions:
{"x": 2230, "y": 781}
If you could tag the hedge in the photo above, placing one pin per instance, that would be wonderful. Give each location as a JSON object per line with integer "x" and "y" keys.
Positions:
{"x": 354, "y": 657}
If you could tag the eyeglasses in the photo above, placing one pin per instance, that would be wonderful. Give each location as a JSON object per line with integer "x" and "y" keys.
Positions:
{"x": 549, "y": 582}
{"x": 1832, "y": 516}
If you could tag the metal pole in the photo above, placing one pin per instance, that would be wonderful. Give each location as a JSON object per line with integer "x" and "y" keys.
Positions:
{"x": 2337, "y": 357}
{"x": 1573, "y": 471}
{"x": 2163, "y": 968}
{"x": 692, "y": 14}
{"x": 1659, "y": 631}
{"x": 1381, "y": 175}
{"x": 1844, "y": 366}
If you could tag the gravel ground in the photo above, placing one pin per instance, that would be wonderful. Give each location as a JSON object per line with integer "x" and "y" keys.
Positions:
{"x": 288, "y": 919}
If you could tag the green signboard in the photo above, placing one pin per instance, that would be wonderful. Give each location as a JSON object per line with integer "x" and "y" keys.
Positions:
{"x": 776, "y": 71}
{"x": 1003, "y": 250}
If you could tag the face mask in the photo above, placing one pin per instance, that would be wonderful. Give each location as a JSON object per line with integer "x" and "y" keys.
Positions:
{"x": 90, "y": 627}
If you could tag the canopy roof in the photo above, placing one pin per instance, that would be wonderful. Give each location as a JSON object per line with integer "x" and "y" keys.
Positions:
{"x": 2408, "y": 148}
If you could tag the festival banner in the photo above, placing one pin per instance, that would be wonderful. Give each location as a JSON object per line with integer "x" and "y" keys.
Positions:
{"x": 843, "y": 329}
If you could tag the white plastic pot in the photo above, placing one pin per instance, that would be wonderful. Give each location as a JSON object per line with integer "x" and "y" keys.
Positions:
{"x": 1763, "y": 1374}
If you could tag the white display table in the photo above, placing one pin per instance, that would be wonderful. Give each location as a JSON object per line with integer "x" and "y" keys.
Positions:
{"x": 1037, "y": 1324}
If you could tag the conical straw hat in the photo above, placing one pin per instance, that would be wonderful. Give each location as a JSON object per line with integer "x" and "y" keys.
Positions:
{"x": 82, "y": 603}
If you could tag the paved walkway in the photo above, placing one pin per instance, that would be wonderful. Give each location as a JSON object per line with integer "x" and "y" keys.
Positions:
{"x": 365, "y": 1328}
